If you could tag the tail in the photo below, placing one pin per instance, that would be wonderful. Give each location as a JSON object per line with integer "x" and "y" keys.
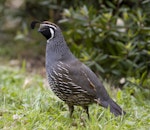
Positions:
{"x": 114, "y": 107}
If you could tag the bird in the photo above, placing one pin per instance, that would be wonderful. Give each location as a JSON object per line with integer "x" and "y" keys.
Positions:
{"x": 70, "y": 79}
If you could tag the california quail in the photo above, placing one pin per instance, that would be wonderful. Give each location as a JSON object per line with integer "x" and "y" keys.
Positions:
{"x": 72, "y": 81}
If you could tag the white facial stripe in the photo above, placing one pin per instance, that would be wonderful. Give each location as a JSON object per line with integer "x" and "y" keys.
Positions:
{"x": 52, "y": 32}
{"x": 51, "y": 26}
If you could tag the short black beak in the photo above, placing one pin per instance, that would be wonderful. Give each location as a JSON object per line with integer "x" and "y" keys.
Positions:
{"x": 41, "y": 28}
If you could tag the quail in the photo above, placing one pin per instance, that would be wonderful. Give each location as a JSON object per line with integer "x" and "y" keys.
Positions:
{"x": 72, "y": 81}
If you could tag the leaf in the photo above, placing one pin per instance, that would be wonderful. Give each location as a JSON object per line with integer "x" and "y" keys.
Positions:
{"x": 67, "y": 13}
{"x": 84, "y": 11}
{"x": 144, "y": 76}
{"x": 99, "y": 68}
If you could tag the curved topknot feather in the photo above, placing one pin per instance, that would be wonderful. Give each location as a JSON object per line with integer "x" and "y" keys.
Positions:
{"x": 33, "y": 23}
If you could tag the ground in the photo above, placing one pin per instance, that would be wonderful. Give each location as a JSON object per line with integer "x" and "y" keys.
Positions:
{"x": 26, "y": 103}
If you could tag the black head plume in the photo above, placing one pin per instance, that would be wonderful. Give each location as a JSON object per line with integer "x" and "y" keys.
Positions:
{"x": 33, "y": 23}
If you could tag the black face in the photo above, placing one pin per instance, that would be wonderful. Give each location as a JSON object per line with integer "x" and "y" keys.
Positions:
{"x": 46, "y": 28}
{"x": 46, "y": 32}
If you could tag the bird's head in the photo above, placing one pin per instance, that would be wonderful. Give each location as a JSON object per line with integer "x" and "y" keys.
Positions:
{"x": 47, "y": 29}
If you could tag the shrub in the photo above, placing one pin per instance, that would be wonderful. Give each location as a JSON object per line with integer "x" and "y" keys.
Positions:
{"x": 114, "y": 40}
{"x": 111, "y": 37}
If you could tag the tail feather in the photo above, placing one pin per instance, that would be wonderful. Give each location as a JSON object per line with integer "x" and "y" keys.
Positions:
{"x": 114, "y": 107}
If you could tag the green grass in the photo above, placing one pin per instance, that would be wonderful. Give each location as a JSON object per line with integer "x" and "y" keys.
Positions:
{"x": 26, "y": 104}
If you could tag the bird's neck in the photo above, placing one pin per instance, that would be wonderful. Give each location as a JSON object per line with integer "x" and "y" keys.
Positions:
{"x": 57, "y": 50}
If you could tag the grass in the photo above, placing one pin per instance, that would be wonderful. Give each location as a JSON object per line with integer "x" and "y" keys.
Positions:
{"x": 26, "y": 104}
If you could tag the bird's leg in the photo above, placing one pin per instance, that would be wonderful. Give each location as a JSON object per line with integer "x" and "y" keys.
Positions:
{"x": 71, "y": 109}
{"x": 87, "y": 111}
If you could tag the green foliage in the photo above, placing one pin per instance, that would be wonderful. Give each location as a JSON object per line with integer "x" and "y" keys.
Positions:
{"x": 111, "y": 37}
{"x": 25, "y": 103}
{"x": 116, "y": 44}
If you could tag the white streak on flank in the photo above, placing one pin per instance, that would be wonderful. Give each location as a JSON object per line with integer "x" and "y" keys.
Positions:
{"x": 64, "y": 83}
{"x": 58, "y": 65}
{"x": 52, "y": 77}
{"x": 68, "y": 65}
{"x": 59, "y": 69}
{"x": 74, "y": 85}
{"x": 61, "y": 62}
{"x": 60, "y": 75}
{"x": 60, "y": 79}
{"x": 67, "y": 87}
{"x": 67, "y": 77}
{"x": 55, "y": 72}
{"x": 65, "y": 69}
